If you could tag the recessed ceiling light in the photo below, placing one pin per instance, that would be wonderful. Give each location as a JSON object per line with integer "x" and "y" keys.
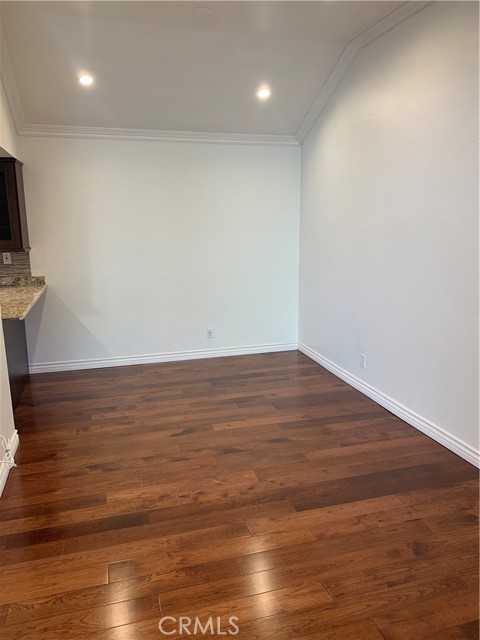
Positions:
{"x": 204, "y": 11}
{"x": 86, "y": 79}
{"x": 263, "y": 92}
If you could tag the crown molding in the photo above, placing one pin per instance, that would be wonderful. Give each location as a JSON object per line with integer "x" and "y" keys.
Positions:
{"x": 327, "y": 91}
{"x": 154, "y": 135}
{"x": 389, "y": 22}
{"x": 111, "y": 133}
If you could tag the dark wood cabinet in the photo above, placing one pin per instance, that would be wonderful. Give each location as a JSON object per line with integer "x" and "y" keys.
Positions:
{"x": 13, "y": 218}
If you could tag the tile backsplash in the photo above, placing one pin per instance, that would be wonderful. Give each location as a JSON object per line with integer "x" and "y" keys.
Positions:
{"x": 20, "y": 264}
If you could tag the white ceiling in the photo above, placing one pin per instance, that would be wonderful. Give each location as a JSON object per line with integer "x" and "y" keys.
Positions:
{"x": 161, "y": 66}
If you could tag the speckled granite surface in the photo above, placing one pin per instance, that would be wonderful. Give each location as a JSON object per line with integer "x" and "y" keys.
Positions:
{"x": 22, "y": 281}
{"x": 18, "y": 294}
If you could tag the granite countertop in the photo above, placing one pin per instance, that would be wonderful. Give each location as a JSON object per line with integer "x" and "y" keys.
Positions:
{"x": 19, "y": 294}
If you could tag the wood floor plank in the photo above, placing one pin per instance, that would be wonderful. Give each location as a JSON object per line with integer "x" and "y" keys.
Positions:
{"x": 25, "y": 583}
{"x": 458, "y": 610}
{"x": 470, "y": 629}
{"x": 260, "y": 486}
{"x": 31, "y": 609}
{"x": 79, "y": 622}
{"x": 213, "y": 592}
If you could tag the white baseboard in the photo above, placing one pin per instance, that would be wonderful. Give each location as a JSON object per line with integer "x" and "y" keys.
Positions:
{"x": 172, "y": 356}
{"x": 432, "y": 430}
{"x": 4, "y": 468}
{"x": 414, "y": 419}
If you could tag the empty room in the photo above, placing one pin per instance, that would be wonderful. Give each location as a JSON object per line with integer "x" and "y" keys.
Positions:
{"x": 239, "y": 290}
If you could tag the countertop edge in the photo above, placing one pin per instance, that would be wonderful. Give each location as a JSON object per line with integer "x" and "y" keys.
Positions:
{"x": 36, "y": 297}
{"x": 34, "y": 301}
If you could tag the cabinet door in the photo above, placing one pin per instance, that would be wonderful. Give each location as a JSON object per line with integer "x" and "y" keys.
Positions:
{"x": 10, "y": 232}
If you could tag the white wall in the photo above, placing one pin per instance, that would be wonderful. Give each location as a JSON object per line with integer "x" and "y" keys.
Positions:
{"x": 389, "y": 222}
{"x": 146, "y": 244}
{"x": 8, "y": 137}
{"x": 389, "y": 234}
{"x": 7, "y": 427}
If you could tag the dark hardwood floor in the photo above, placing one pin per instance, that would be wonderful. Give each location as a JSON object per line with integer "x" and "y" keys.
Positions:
{"x": 260, "y": 487}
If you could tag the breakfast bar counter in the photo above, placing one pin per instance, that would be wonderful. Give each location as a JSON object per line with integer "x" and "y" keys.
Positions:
{"x": 19, "y": 294}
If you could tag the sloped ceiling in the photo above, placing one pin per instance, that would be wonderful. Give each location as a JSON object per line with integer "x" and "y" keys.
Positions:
{"x": 163, "y": 69}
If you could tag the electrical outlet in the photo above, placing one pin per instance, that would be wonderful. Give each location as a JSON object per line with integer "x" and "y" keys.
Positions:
{"x": 7, "y": 258}
{"x": 210, "y": 334}
{"x": 363, "y": 360}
